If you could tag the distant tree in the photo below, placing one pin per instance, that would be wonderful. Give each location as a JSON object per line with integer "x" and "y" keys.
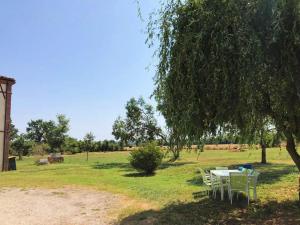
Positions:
{"x": 20, "y": 145}
{"x": 88, "y": 144}
{"x": 71, "y": 145}
{"x": 139, "y": 126}
{"x": 105, "y": 145}
{"x": 119, "y": 132}
{"x": 49, "y": 132}
{"x": 56, "y": 133}
{"x": 266, "y": 135}
{"x": 133, "y": 120}
{"x": 36, "y": 131}
{"x": 13, "y": 131}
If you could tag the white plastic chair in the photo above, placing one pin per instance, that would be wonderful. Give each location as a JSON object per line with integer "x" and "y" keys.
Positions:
{"x": 238, "y": 183}
{"x": 215, "y": 184}
{"x": 206, "y": 179}
{"x": 253, "y": 183}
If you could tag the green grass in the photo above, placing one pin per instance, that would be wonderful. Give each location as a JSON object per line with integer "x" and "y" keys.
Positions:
{"x": 176, "y": 189}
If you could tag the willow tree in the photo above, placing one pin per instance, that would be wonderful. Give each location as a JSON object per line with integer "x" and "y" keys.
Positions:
{"x": 229, "y": 64}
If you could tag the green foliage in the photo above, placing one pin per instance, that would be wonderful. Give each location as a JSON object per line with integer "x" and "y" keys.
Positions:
{"x": 20, "y": 146}
{"x": 230, "y": 65}
{"x": 88, "y": 143}
{"x": 56, "y": 133}
{"x": 139, "y": 126}
{"x": 13, "y": 132}
{"x": 45, "y": 137}
{"x": 108, "y": 145}
{"x": 49, "y": 132}
{"x": 119, "y": 131}
{"x": 147, "y": 158}
{"x": 36, "y": 131}
{"x": 71, "y": 145}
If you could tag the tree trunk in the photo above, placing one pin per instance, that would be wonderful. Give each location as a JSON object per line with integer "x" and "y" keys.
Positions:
{"x": 20, "y": 155}
{"x": 263, "y": 154}
{"x": 263, "y": 147}
{"x": 291, "y": 148}
{"x": 87, "y": 155}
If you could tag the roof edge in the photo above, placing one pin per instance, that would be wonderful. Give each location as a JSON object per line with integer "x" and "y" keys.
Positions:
{"x": 11, "y": 80}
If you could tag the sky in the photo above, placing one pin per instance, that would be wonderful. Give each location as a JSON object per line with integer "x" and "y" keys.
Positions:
{"x": 81, "y": 58}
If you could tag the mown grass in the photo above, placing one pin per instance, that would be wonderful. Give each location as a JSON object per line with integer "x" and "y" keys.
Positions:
{"x": 176, "y": 190}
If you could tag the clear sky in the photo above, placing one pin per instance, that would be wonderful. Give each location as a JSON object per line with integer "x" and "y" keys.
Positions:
{"x": 81, "y": 58}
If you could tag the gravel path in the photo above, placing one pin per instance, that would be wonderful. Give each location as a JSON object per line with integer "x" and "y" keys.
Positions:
{"x": 65, "y": 206}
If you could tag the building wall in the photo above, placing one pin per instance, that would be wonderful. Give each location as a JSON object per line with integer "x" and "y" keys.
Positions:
{"x": 2, "y": 123}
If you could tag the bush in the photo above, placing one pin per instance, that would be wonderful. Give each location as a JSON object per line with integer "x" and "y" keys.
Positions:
{"x": 146, "y": 159}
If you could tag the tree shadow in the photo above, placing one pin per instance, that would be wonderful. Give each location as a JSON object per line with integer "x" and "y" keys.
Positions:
{"x": 127, "y": 167}
{"x": 208, "y": 211}
{"x": 122, "y": 166}
{"x": 138, "y": 175}
{"x": 167, "y": 165}
{"x": 269, "y": 173}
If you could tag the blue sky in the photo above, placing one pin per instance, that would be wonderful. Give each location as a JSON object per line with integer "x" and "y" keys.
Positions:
{"x": 81, "y": 58}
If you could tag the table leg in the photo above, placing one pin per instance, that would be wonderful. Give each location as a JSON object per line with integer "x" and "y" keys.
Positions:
{"x": 222, "y": 190}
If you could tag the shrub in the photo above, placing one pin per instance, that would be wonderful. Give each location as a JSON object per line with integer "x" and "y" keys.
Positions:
{"x": 147, "y": 158}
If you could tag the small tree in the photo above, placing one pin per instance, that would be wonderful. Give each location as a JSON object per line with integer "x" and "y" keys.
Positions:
{"x": 119, "y": 132}
{"x": 88, "y": 144}
{"x": 20, "y": 145}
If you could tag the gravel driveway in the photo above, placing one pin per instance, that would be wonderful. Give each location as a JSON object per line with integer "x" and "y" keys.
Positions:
{"x": 65, "y": 206}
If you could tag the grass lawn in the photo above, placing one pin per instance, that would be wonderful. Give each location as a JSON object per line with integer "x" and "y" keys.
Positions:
{"x": 175, "y": 195}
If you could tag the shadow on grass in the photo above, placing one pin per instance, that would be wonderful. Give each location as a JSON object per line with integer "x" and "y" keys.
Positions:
{"x": 138, "y": 175}
{"x": 127, "y": 167}
{"x": 161, "y": 167}
{"x": 124, "y": 166}
{"x": 208, "y": 211}
{"x": 196, "y": 181}
{"x": 167, "y": 165}
{"x": 269, "y": 173}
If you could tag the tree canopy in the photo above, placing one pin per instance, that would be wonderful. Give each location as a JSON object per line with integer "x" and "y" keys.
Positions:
{"x": 139, "y": 126}
{"x": 229, "y": 64}
{"x": 50, "y": 132}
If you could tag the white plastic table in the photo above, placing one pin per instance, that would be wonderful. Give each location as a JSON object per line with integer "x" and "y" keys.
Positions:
{"x": 223, "y": 175}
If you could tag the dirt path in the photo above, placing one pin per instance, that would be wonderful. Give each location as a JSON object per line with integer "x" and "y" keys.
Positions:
{"x": 65, "y": 206}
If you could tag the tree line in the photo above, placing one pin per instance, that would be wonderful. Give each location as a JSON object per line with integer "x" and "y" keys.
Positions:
{"x": 44, "y": 137}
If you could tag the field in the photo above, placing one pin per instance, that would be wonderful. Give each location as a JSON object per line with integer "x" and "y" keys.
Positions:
{"x": 175, "y": 194}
